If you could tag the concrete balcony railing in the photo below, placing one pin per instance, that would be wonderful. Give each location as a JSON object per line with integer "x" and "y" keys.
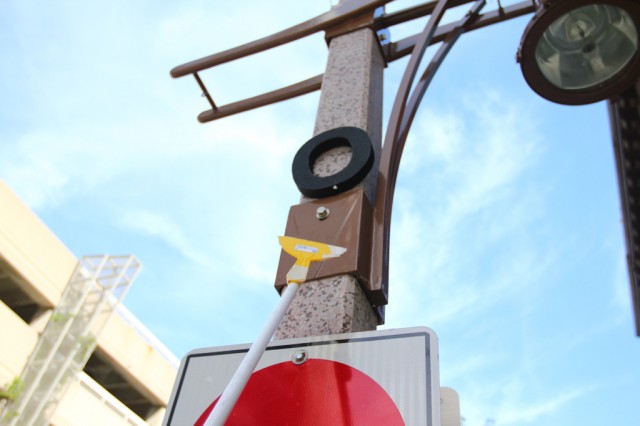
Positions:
{"x": 87, "y": 403}
{"x": 148, "y": 336}
{"x": 136, "y": 359}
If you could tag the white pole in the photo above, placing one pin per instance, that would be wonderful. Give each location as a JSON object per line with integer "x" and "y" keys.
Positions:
{"x": 240, "y": 378}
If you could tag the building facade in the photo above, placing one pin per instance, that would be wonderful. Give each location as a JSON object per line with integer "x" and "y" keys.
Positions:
{"x": 128, "y": 377}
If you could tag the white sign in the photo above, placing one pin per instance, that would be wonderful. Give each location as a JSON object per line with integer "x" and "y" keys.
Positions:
{"x": 386, "y": 378}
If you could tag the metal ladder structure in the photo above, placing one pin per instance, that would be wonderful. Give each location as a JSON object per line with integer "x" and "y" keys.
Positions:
{"x": 95, "y": 289}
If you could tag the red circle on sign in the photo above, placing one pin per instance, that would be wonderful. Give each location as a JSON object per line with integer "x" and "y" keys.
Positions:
{"x": 316, "y": 393}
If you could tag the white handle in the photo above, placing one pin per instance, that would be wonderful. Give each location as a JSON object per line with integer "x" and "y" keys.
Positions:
{"x": 240, "y": 378}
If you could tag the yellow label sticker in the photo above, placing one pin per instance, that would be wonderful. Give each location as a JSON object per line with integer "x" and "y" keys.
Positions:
{"x": 305, "y": 252}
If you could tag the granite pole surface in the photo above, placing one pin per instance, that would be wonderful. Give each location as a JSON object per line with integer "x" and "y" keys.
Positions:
{"x": 351, "y": 96}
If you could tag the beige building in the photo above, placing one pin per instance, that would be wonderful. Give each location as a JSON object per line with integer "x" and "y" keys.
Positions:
{"x": 128, "y": 377}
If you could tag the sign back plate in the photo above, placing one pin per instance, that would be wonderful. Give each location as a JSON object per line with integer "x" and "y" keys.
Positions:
{"x": 382, "y": 373}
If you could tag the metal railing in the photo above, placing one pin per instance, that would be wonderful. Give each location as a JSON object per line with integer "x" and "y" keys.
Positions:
{"x": 109, "y": 400}
{"x": 147, "y": 335}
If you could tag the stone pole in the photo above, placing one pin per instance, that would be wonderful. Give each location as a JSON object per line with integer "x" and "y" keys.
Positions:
{"x": 351, "y": 96}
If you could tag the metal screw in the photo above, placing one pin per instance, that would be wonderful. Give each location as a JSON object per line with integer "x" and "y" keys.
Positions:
{"x": 322, "y": 213}
{"x": 299, "y": 357}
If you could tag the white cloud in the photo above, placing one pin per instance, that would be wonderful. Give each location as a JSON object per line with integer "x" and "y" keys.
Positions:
{"x": 510, "y": 414}
{"x": 516, "y": 396}
{"x": 465, "y": 191}
{"x": 158, "y": 226}
{"x": 466, "y": 260}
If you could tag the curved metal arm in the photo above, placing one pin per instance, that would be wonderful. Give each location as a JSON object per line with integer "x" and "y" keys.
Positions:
{"x": 402, "y": 114}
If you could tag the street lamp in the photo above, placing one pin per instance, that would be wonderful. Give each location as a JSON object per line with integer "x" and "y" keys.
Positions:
{"x": 572, "y": 52}
{"x": 577, "y": 52}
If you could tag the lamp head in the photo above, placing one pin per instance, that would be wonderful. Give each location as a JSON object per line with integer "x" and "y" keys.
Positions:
{"x": 577, "y": 52}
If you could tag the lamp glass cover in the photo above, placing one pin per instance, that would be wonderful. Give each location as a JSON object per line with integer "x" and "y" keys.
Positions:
{"x": 587, "y": 46}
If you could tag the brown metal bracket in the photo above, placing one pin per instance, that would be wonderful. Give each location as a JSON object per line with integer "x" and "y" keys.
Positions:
{"x": 404, "y": 47}
{"x": 411, "y": 13}
{"x": 343, "y": 12}
{"x": 346, "y": 17}
{"x": 343, "y": 220}
{"x": 339, "y": 16}
{"x": 298, "y": 89}
{"x": 364, "y": 20}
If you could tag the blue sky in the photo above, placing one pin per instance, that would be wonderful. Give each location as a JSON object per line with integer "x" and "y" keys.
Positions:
{"x": 506, "y": 239}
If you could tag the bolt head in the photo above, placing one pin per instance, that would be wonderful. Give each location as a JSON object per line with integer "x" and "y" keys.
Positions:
{"x": 299, "y": 357}
{"x": 322, "y": 212}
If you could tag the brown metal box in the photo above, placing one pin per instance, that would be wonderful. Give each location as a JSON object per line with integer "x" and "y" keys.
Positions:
{"x": 347, "y": 225}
